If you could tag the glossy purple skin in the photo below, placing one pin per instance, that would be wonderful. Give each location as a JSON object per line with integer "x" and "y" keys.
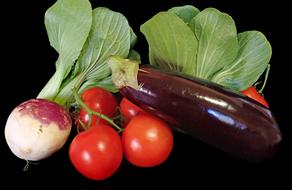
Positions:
{"x": 217, "y": 116}
{"x": 46, "y": 112}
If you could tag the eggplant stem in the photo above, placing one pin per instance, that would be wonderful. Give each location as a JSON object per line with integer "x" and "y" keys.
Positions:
{"x": 124, "y": 72}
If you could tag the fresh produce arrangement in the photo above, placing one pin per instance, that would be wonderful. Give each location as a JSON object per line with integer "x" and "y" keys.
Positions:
{"x": 220, "y": 117}
{"x": 200, "y": 80}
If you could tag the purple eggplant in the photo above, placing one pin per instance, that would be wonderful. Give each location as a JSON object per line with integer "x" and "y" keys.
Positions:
{"x": 220, "y": 117}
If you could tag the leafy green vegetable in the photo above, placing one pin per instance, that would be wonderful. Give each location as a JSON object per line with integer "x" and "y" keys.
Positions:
{"x": 68, "y": 23}
{"x": 133, "y": 38}
{"x": 106, "y": 83}
{"x": 172, "y": 43}
{"x": 134, "y": 55}
{"x": 110, "y": 34}
{"x": 212, "y": 50}
{"x": 252, "y": 60}
{"x": 84, "y": 39}
{"x": 186, "y": 13}
{"x": 218, "y": 45}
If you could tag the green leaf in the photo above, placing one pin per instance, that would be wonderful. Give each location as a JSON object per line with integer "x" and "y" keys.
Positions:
{"x": 110, "y": 35}
{"x": 134, "y": 55}
{"x": 212, "y": 51}
{"x": 107, "y": 84}
{"x": 172, "y": 44}
{"x": 252, "y": 60}
{"x": 186, "y": 12}
{"x": 217, "y": 41}
{"x": 133, "y": 38}
{"x": 68, "y": 23}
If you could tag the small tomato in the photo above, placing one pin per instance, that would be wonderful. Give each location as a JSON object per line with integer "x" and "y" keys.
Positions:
{"x": 129, "y": 110}
{"x": 252, "y": 93}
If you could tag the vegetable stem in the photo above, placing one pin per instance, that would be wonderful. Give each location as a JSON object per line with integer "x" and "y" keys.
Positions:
{"x": 82, "y": 125}
{"x": 266, "y": 78}
{"x": 90, "y": 112}
{"x": 26, "y": 166}
{"x": 124, "y": 72}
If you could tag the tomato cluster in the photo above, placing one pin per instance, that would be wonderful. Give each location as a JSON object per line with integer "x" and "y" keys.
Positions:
{"x": 97, "y": 152}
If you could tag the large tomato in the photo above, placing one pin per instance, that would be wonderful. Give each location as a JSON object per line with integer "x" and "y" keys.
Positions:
{"x": 97, "y": 152}
{"x": 147, "y": 141}
{"x": 99, "y": 100}
{"x": 252, "y": 93}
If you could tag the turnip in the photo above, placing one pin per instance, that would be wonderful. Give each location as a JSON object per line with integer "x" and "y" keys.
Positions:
{"x": 37, "y": 128}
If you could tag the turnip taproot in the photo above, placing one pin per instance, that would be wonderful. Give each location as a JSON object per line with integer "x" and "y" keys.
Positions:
{"x": 37, "y": 128}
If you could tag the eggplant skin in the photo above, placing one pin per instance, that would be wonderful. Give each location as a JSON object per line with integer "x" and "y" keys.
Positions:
{"x": 217, "y": 116}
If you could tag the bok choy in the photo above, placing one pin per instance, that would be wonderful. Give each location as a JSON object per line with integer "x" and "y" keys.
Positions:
{"x": 84, "y": 39}
{"x": 206, "y": 44}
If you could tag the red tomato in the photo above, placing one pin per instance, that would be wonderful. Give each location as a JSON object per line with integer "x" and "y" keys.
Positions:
{"x": 97, "y": 152}
{"x": 99, "y": 100}
{"x": 254, "y": 94}
{"x": 129, "y": 110}
{"x": 147, "y": 141}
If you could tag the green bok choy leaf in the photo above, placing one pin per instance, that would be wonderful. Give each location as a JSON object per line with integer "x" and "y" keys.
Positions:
{"x": 84, "y": 39}
{"x": 68, "y": 23}
{"x": 212, "y": 50}
{"x": 110, "y": 34}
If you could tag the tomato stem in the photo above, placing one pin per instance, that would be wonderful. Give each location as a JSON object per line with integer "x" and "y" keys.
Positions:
{"x": 104, "y": 117}
{"x": 266, "y": 78}
{"x": 90, "y": 112}
{"x": 82, "y": 125}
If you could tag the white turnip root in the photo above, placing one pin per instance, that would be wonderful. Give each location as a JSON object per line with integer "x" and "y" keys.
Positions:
{"x": 37, "y": 128}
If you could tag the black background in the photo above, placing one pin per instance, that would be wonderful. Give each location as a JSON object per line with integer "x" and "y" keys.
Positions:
{"x": 27, "y": 62}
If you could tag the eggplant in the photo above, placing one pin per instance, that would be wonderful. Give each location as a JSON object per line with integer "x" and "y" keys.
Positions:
{"x": 207, "y": 111}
